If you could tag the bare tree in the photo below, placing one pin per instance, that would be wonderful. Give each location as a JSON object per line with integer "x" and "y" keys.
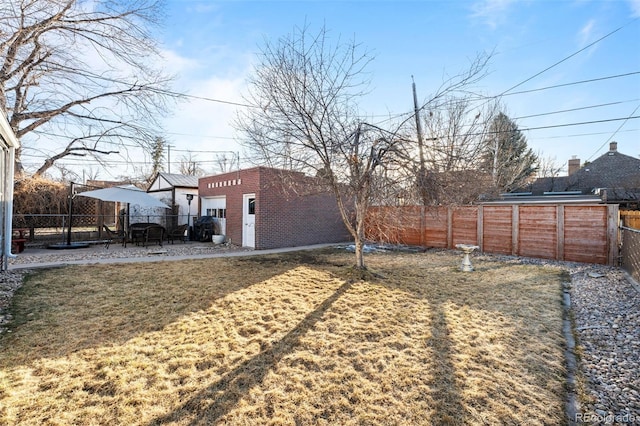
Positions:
{"x": 225, "y": 163}
{"x": 548, "y": 166}
{"x": 452, "y": 159}
{"x": 78, "y": 78}
{"x": 189, "y": 166}
{"x": 305, "y": 117}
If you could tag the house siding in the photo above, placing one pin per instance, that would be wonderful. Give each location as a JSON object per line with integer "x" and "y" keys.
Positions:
{"x": 8, "y": 144}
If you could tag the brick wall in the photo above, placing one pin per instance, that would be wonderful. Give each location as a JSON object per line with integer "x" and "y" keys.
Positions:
{"x": 290, "y": 211}
{"x": 232, "y": 185}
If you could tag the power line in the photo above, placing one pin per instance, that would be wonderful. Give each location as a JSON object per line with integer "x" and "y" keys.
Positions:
{"x": 614, "y": 133}
{"x": 579, "y": 135}
{"x": 581, "y": 123}
{"x": 390, "y": 116}
{"x": 203, "y": 98}
{"x": 57, "y": 135}
{"x": 571, "y": 84}
{"x": 505, "y": 92}
{"x": 552, "y": 126}
{"x": 486, "y": 98}
{"x": 568, "y": 57}
{"x": 573, "y": 109}
{"x": 170, "y": 92}
{"x": 200, "y": 136}
{"x": 485, "y": 123}
{"x": 625, "y": 119}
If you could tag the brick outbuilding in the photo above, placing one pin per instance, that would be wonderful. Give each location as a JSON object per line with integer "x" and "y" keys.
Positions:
{"x": 266, "y": 208}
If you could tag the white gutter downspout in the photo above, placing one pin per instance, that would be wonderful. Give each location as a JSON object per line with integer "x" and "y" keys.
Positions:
{"x": 10, "y": 143}
{"x": 8, "y": 216}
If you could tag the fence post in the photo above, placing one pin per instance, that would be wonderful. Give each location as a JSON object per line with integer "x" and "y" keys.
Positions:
{"x": 560, "y": 231}
{"x": 423, "y": 225}
{"x": 613, "y": 219}
{"x": 480, "y": 227}
{"x": 449, "y": 227}
{"x": 515, "y": 229}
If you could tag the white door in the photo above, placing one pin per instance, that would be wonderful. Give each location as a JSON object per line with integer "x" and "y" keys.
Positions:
{"x": 249, "y": 220}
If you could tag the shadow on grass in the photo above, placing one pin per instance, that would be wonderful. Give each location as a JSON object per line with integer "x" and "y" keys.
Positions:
{"x": 210, "y": 404}
{"x": 61, "y": 311}
{"x": 448, "y": 408}
{"x": 152, "y": 309}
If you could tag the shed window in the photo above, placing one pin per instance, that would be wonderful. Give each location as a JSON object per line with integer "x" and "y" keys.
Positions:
{"x": 219, "y": 213}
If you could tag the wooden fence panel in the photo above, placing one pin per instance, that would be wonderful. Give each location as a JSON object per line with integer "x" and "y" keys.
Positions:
{"x": 537, "y": 233}
{"x": 396, "y": 225}
{"x": 630, "y": 218}
{"x": 497, "y": 229}
{"x": 412, "y": 234}
{"x": 631, "y": 251}
{"x": 435, "y": 227}
{"x": 464, "y": 224}
{"x": 585, "y": 234}
{"x": 580, "y": 233}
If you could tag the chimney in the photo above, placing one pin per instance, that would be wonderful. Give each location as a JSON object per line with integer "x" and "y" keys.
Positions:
{"x": 574, "y": 165}
{"x": 613, "y": 146}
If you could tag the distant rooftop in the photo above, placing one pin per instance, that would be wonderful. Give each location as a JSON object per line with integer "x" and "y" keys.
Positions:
{"x": 180, "y": 181}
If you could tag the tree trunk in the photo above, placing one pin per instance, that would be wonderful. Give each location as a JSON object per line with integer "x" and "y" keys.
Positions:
{"x": 359, "y": 237}
{"x": 360, "y": 254}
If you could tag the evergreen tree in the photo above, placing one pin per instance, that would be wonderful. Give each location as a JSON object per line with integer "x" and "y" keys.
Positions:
{"x": 157, "y": 156}
{"x": 507, "y": 156}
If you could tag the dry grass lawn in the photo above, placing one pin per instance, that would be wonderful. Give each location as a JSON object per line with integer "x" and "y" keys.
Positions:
{"x": 286, "y": 339}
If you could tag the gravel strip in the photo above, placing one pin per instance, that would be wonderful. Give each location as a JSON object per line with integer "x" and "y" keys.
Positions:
{"x": 605, "y": 306}
{"x": 10, "y": 281}
{"x": 116, "y": 251}
{"x": 606, "y": 309}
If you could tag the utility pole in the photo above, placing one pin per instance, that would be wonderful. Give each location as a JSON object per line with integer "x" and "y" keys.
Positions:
{"x": 421, "y": 181}
{"x": 168, "y": 158}
{"x": 418, "y": 124}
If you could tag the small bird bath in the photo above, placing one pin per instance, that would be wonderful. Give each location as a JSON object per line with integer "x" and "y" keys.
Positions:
{"x": 467, "y": 249}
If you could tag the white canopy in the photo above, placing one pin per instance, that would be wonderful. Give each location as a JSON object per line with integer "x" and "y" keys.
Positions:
{"x": 125, "y": 194}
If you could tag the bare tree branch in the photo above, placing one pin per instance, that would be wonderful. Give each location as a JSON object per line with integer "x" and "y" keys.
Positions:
{"x": 305, "y": 118}
{"x": 74, "y": 69}
{"x": 71, "y": 150}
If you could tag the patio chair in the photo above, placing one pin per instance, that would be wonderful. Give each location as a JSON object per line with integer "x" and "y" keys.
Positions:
{"x": 153, "y": 233}
{"x": 114, "y": 236}
{"x": 178, "y": 233}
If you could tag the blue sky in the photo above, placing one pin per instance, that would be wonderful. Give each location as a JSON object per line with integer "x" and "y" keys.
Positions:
{"x": 212, "y": 45}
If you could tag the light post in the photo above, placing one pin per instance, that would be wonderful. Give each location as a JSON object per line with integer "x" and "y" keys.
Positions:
{"x": 189, "y": 198}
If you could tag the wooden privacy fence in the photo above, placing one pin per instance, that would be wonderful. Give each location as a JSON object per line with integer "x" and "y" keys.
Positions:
{"x": 578, "y": 233}
{"x": 630, "y": 218}
{"x": 631, "y": 251}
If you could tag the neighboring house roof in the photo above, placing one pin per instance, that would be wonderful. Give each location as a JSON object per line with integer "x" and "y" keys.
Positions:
{"x": 171, "y": 180}
{"x": 613, "y": 175}
{"x": 546, "y": 199}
